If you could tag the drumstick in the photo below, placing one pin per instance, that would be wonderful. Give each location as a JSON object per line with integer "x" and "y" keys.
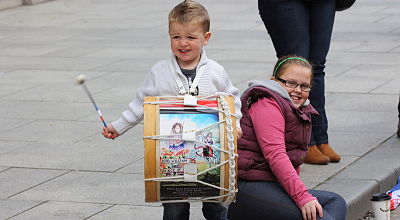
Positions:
{"x": 80, "y": 80}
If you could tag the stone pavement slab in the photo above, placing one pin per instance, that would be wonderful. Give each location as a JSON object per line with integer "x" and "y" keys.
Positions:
{"x": 90, "y": 187}
{"x": 12, "y": 207}
{"x": 13, "y": 181}
{"x": 62, "y": 210}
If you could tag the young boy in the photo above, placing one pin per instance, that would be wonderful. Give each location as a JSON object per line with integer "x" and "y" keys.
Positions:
{"x": 188, "y": 71}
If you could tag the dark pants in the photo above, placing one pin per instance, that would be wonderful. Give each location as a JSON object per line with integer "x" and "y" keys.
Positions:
{"x": 180, "y": 211}
{"x": 303, "y": 28}
{"x": 268, "y": 200}
{"x": 398, "y": 107}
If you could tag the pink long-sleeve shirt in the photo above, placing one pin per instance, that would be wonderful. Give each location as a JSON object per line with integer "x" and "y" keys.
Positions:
{"x": 269, "y": 126}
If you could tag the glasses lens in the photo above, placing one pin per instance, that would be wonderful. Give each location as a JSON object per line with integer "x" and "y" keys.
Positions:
{"x": 305, "y": 88}
{"x": 291, "y": 84}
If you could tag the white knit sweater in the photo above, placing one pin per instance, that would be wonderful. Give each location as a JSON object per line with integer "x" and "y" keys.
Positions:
{"x": 162, "y": 82}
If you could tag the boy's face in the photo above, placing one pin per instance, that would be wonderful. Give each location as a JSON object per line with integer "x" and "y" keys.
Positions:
{"x": 187, "y": 41}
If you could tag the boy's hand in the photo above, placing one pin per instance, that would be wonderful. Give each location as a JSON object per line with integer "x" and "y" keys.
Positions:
{"x": 239, "y": 133}
{"x": 109, "y": 132}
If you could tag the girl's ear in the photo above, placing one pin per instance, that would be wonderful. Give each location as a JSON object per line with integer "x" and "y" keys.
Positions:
{"x": 273, "y": 78}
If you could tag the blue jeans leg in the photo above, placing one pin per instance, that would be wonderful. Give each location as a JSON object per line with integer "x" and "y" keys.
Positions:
{"x": 268, "y": 200}
{"x": 176, "y": 211}
{"x": 322, "y": 16}
{"x": 333, "y": 205}
{"x": 303, "y": 28}
{"x": 181, "y": 211}
{"x": 214, "y": 211}
{"x": 262, "y": 201}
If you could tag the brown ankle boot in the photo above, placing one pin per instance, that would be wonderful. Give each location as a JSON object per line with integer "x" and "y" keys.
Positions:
{"x": 314, "y": 156}
{"x": 329, "y": 152}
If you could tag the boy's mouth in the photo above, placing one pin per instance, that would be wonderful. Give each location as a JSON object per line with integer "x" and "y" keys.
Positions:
{"x": 184, "y": 51}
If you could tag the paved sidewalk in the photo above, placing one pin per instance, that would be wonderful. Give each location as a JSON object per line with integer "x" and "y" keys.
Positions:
{"x": 54, "y": 164}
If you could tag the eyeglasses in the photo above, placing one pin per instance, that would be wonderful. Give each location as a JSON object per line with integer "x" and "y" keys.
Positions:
{"x": 292, "y": 84}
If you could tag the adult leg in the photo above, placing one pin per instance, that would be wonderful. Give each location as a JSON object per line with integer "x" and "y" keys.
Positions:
{"x": 263, "y": 201}
{"x": 287, "y": 23}
{"x": 333, "y": 205}
{"x": 214, "y": 211}
{"x": 398, "y": 126}
{"x": 322, "y": 15}
{"x": 176, "y": 211}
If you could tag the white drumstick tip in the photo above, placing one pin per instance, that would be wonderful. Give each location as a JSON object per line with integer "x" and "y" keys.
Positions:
{"x": 80, "y": 79}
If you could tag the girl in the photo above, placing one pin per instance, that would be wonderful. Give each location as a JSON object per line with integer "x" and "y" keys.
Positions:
{"x": 276, "y": 126}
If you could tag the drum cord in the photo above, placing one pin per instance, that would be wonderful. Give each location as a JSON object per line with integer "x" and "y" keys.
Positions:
{"x": 230, "y": 195}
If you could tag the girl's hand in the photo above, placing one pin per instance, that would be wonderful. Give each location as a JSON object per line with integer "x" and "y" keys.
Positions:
{"x": 310, "y": 209}
{"x": 109, "y": 132}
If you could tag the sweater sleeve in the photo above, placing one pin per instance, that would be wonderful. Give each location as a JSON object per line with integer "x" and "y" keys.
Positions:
{"x": 269, "y": 125}
{"x": 134, "y": 114}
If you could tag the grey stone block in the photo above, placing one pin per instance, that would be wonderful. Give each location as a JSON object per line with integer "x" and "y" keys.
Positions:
{"x": 311, "y": 174}
{"x": 351, "y": 84}
{"x": 85, "y": 155}
{"x": 12, "y": 207}
{"x": 380, "y": 164}
{"x": 14, "y": 180}
{"x": 8, "y": 88}
{"x": 345, "y": 102}
{"x": 9, "y": 146}
{"x": 356, "y": 121}
{"x": 13, "y": 123}
{"x": 356, "y": 193}
{"x": 136, "y": 167}
{"x": 54, "y": 63}
{"x": 355, "y": 143}
{"x": 44, "y": 77}
{"x": 52, "y": 131}
{"x": 62, "y": 210}
{"x": 22, "y": 112}
{"x": 130, "y": 212}
{"x": 91, "y": 187}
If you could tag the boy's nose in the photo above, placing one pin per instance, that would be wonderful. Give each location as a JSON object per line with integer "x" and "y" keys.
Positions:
{"x": 183, "y": 42}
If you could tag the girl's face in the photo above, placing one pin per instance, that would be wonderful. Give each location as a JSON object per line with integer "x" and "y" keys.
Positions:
{"x": 177, "y": 129}
{"x": 187, "y": 41}
{"x": 296, "y": 74}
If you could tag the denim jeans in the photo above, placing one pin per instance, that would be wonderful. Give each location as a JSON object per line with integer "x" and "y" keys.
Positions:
{"x": 180, "y": 211}
{"x": 268, "y": 200}
{"x": 304, "y": 28}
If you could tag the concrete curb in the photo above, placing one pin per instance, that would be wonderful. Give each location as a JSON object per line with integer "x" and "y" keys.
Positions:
{"x": 376, "y": 171}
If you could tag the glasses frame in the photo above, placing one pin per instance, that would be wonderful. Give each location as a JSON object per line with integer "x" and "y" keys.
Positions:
{"x": 290, "y": 84}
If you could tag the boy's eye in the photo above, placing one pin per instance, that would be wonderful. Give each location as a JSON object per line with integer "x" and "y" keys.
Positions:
{"x": 191, "y": 37}
{"x": 175, "y": 37}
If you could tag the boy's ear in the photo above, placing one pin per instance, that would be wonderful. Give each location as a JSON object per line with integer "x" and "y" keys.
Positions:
{"x": 207, "y": 37}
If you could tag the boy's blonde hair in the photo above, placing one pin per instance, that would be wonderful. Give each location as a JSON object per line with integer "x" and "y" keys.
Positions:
{"x": 190, "y": 12}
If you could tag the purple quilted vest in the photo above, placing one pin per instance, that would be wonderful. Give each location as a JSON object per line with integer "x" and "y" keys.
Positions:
{"x": 251, "y": 163}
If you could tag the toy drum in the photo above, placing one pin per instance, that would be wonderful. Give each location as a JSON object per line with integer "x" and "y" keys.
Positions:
{"x": 190, "y": 149}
